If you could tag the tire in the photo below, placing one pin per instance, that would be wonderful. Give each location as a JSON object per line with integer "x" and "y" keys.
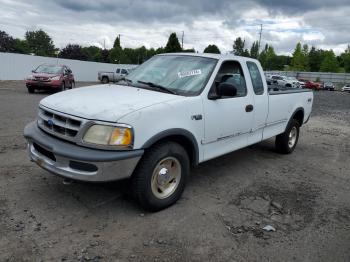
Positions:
{"x": 31, "y": 89}
{"x": 63, "y": 87}
{"x": 72, "y": 85}
{"x": 286, "y": 142}
{"x": 105, "y": 80}
{"x": 152, "y": 173}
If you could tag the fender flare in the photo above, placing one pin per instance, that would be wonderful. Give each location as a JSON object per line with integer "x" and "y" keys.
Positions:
{"x": 176, "y": 132}
{"x": 294, "y": 113}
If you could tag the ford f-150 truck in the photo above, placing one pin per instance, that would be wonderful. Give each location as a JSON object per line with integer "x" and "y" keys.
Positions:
{"x": 173, "y": 112}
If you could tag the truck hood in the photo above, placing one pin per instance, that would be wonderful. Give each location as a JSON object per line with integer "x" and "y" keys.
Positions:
{"x": 104, "y": 102}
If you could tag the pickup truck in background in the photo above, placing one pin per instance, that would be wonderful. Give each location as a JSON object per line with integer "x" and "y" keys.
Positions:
{"x": 106, "y": 77}
{"x": 172, "y": 112}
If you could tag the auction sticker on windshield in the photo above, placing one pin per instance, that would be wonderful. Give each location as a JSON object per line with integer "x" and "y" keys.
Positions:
{"x": 189, "y": 73}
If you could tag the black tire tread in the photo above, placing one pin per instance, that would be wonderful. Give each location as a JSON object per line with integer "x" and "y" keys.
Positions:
{"x": 281, "y": 142}
{"x": 143, "y": 172}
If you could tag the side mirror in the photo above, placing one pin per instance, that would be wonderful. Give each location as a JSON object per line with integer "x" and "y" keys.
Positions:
{"x": 226, "y": 89}
{"x": 223, "y": 89}
{"x": 33, "y": 71}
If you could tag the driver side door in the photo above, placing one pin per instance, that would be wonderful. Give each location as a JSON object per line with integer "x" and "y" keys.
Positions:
{"x": 228, "y": 120}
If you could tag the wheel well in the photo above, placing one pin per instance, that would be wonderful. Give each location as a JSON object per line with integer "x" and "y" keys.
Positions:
{"x": 186, "y": 143}
{"x": 299, "y": 116}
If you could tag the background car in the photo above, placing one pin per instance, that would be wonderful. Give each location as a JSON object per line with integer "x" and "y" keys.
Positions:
{"x": 346, "y": 88}
{"x": 50, "y": 77}
{"x": 328, "y": 86}
{"x": 312, "y": 85}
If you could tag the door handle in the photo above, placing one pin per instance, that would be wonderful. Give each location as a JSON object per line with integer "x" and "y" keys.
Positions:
{"x": 249, "y": 108}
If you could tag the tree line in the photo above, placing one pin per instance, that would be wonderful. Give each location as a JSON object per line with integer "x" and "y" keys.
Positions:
{"x": 304, "y": 58}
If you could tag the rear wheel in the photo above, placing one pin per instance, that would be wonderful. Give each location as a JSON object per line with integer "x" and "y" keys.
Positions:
{"x": 31, "y": 89}
{"x": 161, "y": 175}
{"x": 285, "y": 143}
{"x": 105, "y": 80}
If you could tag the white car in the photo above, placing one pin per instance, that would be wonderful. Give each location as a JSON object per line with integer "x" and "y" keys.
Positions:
{"x": 285, "y": 81}
{"x": 346, "y": 88}
{"x": 172, "y": 112}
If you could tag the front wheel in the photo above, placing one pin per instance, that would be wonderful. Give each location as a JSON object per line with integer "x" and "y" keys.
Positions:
{"x": 63, "y": 87}
{"x": 161, "y": 175}
{"x": 31, "y": 89}
{"x": 286, "y": 142}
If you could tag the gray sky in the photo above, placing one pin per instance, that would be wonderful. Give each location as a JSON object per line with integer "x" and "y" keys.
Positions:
{"x": 323, "y": 23}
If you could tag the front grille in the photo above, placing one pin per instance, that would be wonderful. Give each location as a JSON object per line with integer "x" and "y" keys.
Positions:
{"x": 61, "y": 125}
{"x": 41, "y": 79}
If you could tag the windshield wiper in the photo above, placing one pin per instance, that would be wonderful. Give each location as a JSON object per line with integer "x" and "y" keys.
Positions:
{"x": 160, "y": 87}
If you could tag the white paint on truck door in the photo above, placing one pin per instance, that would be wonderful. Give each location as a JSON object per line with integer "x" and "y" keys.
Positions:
{"x": 227, "y": 124}
{"x": 257, "y": 80}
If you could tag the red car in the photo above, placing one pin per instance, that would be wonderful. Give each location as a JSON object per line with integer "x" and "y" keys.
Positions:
{"x": 50, "y": 77}
{"x": 311, "y": 85}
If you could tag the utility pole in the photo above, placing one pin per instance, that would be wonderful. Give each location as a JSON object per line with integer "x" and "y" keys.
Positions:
{"x": 261, "y": 28}
{"x": 104, "y": 43}
{"x": 182, "y": 40}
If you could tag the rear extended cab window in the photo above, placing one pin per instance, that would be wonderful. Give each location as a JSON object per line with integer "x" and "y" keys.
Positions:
{"x": 255, "y": 76}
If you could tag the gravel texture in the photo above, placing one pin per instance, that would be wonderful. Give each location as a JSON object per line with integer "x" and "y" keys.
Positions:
{"x": 304, "y": 196}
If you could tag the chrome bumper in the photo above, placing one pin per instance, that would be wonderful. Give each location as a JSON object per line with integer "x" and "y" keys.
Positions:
{"x": 78, "y": 163}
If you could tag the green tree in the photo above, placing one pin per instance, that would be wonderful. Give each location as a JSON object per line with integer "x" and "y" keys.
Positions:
{"x": 40, "y": 43}
{"x": 73, "y": 51}
{"x": 173, "y": 44}
{"x": 345, "y": 57}
{"x": 21, "y": 46}
{"x": 7, "y": 43}
{"x": 315, "y": 59}
{"x": 254, "y": 50}
{"x": 105, "y": 56}
{"x": 238, "y": 46}
{"x": 270, "y": 62}
{"x": 116, "y": 43}
{"x": 212, "y": 49}
{"x": 299, "y": 61}
{"x": 329, "y": 63}
{"x": 93, "y": 53}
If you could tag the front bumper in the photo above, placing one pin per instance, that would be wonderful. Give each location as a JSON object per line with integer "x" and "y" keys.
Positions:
{"x": 54, "y": 84}
{"x": 76, "y": 162}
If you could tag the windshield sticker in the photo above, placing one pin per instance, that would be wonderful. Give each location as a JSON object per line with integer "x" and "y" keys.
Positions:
{"x": 189, "y": 73}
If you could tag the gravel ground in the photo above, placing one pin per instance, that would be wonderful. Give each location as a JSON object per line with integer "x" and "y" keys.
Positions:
{"x": 228, "y": 200}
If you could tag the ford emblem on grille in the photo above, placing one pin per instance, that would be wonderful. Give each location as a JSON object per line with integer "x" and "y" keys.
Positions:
{"x": 50, "y": 122}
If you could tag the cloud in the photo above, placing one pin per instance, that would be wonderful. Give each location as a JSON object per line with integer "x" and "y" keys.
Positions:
{"x": 149, "y": 22}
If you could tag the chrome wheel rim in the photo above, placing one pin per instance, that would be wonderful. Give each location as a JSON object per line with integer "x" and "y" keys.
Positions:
{"x": 166, "y": 177}
{"x": 292, "y": 137}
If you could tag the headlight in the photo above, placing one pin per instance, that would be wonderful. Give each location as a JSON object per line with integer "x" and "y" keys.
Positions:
{"x": 109, "y": 136}
{"x": 30, "y": 77}
{"x": 55, "y": 78}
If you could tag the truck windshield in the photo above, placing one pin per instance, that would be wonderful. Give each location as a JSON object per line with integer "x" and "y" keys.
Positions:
{"x": 183, "y": 75}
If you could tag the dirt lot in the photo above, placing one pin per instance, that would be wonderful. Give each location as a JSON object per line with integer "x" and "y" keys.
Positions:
{"x": 305, "y": 196}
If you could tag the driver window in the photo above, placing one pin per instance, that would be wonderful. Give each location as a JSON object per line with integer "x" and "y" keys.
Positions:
{"x": 231, "y": 72}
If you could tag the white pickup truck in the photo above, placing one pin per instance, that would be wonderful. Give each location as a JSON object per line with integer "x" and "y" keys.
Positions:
{"x": 173, "y": 112}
